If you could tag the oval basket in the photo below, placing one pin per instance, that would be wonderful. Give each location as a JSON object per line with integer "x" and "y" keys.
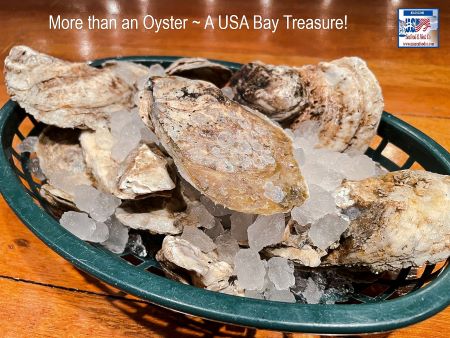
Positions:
{"x": 423, "y": 293}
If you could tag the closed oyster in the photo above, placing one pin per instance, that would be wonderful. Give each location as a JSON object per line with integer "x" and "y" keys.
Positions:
{"x": 403, "y": 220}
{"x": 143, "y": 172}
{"x": 276, "y": 91}
{"x": 200, "y": 69}
{"x": 68, "y": 94}
{"x": 343, "y": 96}
{"x": 205, "y": 270}
{"x": 61, "y": 160}
{"x": 235, "y": 156}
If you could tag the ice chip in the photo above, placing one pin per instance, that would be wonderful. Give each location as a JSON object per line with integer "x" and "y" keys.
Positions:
{"x": 254, "y": 294}
{"x": 35, "y": 168}
{"x": 280, "y": 296}
{"x": 118, "y": 236}
{"x": 250, "y": 269}
{"x": 215, "y": 231}
{"x": 99, "y": 205}
{"x": 28, "y": 145}
{"x": 312, "y": 293}
{"x": 328, "y": 230}
{"x": 239, "y": 225}
{"x": 198, "y": 238}
{"x": 227, "y": 247}
{"x": 101, "y": 233}
{"x": 204, "y": 218}
{"x": 85, "y": 228}
{"x": 228, "y": 92}
{"x": 265, "y": 231}
{"x": 320, "y": 203}
{"x": 281, "y": 272}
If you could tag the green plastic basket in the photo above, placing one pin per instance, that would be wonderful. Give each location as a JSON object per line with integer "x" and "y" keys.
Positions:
{"x": 380, "y": 310}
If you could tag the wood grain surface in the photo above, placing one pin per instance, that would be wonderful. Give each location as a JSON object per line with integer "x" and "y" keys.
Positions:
{"x": 41, "y": 295}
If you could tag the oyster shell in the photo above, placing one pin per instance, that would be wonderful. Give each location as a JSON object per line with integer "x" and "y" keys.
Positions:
{"x": 200, "y": 69}
{"x": 404, "y": 221}
{"x": 61, "y": 160}
{"x": 342, "y": 95}
{"x": 236, "y": 157}
{"x": 276, "y": 91}
{"x": 205, "y": 270}
{"x": 143, "y": 172}
{"x": 68, "y": 94}
{"x": 157, "y": 215}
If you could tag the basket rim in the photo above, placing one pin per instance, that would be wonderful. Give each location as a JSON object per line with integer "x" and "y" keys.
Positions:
{"x": 293, "y": 317}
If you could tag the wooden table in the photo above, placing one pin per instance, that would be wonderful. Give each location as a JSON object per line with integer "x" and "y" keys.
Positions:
{"x": 43, "y": 295}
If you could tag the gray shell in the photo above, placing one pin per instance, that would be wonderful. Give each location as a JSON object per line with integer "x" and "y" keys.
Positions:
{"x": 68, "y": 94}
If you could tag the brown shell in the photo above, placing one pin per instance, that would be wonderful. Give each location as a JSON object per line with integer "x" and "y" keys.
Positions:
{"x": 200, "y": 69}
{"x": 404, "y": 221}
{"x": 227, "y": 152}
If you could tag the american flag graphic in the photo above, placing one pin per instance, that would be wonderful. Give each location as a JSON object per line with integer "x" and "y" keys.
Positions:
{"x": 425, "y": 23}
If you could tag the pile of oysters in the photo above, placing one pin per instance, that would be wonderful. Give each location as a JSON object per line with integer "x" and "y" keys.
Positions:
{"x": 250, "y": 176}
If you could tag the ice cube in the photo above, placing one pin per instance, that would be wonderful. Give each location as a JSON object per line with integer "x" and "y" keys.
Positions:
{"x": 328, "y": 230}
{"x": 215, "y": 231}
{"x": 214, "y": 209}
{"x": 265, "y": 231}
{"x": 136, "y": 246}
{"x": 322, "y": 175}
{"x": 250, "y": 269}
{"x": 85, "y": 228}
{"x": 239, "y": 225}
{"x": 227, "y": 247}
{"x": 204, "y": 218}
{"x": 312, "y": 292}
{"x": 254, "y": 294}
{"x": 281, "y": 272}
{"x": 118, "y": 236}
{"x": 157, "y": 70}
{"x": 319, "y": 203}
{"x": 198, "y": 238}
{"x": 280, "y": 296}
{"x": 99, "y": 205}
{"x": 28, "y": 145}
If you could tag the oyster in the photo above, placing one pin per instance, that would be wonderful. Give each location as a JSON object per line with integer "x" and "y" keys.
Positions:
{"x": 403, "y": 220}
{"x": 68, "y": 94}
{"x": 276, "y": 91}
{"x": 143, "y": 172}
{"x": 200, "y": 69}
{"x": 205, "y": 270}
{"x": 343, "y": 96}
{"x": 157, "y": 215}
{"x": 235, "y": 156}
{"x": 61, "y": 160}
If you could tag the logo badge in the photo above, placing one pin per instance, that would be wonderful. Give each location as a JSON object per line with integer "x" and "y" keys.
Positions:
{"x": 418, "y": 28}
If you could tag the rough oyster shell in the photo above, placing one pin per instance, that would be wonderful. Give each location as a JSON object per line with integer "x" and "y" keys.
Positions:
{"x": 343, "y": 96}
{"x": 157, "y": 215}
{"x": 205, "y": 270}
{"x": 143, "y": 172}
{"x": 276, "y": 91}
{"x": 61, "y": 160}
{"x": 404, "y": 221}
{"x": 236, "y": 157}
{"x": 68, "y": 94}
{"x": 200, "y": 69}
